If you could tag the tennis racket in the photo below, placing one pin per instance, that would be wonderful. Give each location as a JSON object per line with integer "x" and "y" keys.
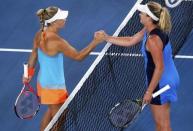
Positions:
{"x": 123, "y": 114}
{"x": 27, "y": 103}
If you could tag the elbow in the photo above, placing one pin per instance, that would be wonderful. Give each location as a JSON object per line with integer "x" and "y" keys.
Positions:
{"x": 160, "y": 68}
{"x": 34, "y": 53}
{"x": 130, "y": 41}
{"x": 78, "y": 58}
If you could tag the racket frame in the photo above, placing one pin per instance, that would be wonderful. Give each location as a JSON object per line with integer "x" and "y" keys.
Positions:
{"x": 27, "y": 88}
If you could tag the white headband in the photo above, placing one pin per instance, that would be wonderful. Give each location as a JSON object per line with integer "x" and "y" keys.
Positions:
{"x": 145, "y": 9}
{"x": 60, "y": 15}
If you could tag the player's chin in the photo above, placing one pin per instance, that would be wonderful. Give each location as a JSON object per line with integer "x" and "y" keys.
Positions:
{"x": 62, "y": 26}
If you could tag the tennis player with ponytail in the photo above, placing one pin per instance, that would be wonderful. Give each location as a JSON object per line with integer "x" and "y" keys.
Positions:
{"x": 48, "y": 49}
{"x": 159, "y": 64}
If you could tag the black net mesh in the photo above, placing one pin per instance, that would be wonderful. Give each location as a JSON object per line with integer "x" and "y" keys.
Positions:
{"x": 117, "y": 78}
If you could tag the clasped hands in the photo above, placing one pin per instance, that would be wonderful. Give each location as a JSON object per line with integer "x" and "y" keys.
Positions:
{"x": 100, "y": 36}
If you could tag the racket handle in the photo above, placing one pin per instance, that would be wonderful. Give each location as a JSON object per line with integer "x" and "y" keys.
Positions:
{"x": 25, "y": 70}
{"x": 143, "y": 106}
{"x": 165, "y": 88}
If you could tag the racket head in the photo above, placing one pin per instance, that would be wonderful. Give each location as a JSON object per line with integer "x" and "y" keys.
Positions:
{"x": 123, "y": 114}
{"x": 27, "y": 103}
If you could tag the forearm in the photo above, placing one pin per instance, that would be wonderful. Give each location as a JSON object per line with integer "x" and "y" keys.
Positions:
{"x": 127, "y": 40}
{"x": 85, "y": 52}
{"x": 155, "y": 79}
{"x": 32, "y": 60}
{"x": 31, "y": 65}
{"x": 120, "y": 41}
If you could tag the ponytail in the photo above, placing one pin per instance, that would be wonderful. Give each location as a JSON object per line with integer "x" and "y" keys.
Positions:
{"x": 165, "y": 20}
{"x": 41, "y": 14}
{"x": 162, "y": 13}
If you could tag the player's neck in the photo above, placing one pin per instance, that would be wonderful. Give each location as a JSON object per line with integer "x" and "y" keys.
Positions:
{"x": 52, "y": 29}
{"x": 149, "y": 28}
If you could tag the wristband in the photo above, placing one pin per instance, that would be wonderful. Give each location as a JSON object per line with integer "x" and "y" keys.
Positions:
{"x": 31, "y": 71}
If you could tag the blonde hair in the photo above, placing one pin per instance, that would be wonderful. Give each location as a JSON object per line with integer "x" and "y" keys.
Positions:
{"x": 162, "y": 13}
{"x": 45, "y": 14}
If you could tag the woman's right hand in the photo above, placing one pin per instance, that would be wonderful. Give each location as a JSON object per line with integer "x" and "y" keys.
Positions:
{"x": 100, "y": 36}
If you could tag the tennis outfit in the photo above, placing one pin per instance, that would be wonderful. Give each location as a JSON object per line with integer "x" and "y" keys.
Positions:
{"x": 51, "y": 85}
{"x": 170, "y": 75}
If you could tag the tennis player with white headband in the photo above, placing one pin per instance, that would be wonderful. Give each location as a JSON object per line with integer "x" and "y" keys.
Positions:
{"x": 159, "y": 64}
{"x": 60, "y": 15}
{"x": 145, "y": 9}
{"x": 49, "y": 49}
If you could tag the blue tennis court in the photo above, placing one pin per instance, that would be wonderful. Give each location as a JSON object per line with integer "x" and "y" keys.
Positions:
{"x": 18, "y": 26}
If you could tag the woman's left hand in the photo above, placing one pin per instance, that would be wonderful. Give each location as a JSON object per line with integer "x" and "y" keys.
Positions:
{"x": 147, "y": 97}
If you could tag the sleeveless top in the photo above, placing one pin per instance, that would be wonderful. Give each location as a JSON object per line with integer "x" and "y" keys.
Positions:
{"x": 51, "y": 73}
{"x": 170, "y": 75}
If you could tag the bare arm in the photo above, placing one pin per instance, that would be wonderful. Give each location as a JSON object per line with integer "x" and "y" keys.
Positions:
{"x": 155, "y": 46}
{"x": 33, "y": 57}
{"x": 31, "y": 61}
{"x": 71, "y": 52}
{"x": 126, "y": 41}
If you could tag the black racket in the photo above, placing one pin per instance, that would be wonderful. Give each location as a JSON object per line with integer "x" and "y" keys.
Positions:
{"x": 27, "y": 103}
{"x": 124, "y": 113}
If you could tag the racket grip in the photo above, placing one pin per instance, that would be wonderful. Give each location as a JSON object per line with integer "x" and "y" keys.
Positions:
{"x": 25, "y": 70}
{"x": 165, "y": 88}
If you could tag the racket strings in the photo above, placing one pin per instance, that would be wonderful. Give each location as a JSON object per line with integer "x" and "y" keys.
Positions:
{"x": 124, "y": 113}
{"x": 27, "y": 105}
